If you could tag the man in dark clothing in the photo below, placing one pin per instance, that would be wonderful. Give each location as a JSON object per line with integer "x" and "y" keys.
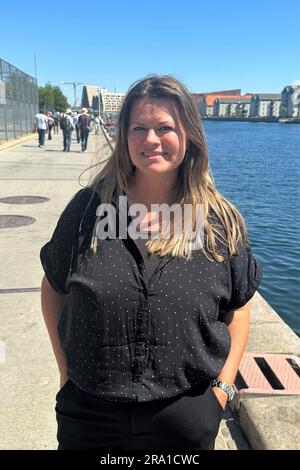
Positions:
{"x": 83, "y": 123}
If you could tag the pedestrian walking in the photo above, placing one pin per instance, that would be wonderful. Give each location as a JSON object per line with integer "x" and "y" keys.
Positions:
{"x": 40, "y": 124}
{"x": 97, "y": 124}
{"x": 148, "y": 317}
{"x": 56, "y": 117}
{"x": 66, "y": 125}
{"x": 77, "y": 128}
{"x": 50, "y": 124}
{"x": 84, "y": 122}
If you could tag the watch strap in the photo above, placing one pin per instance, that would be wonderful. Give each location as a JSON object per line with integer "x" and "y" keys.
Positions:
{"x": 225, "y": 387}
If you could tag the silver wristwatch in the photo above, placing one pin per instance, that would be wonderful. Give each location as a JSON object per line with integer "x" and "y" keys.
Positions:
{"x": 224, "y": 386}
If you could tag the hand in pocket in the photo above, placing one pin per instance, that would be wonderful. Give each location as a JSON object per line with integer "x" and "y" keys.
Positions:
{"x": 221, "y": 396}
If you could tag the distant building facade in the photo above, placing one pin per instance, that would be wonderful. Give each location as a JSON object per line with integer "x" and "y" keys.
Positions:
{"x": 265, "y": 105}
{"x": 111, "y": 102}
{"x": 290, "y": 101}
{"x": 232, "y": 107}
{"x": 207, "y": 100}
{"x": 259, "y": 105}
{"x": 96, "y": 99}
{"x": 226, "y": 105}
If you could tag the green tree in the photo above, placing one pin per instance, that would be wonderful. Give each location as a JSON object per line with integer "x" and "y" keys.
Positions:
{"x": 60, "y": 101}
{"x": 51, "y": 97}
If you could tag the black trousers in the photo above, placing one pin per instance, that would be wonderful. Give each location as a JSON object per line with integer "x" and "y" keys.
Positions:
{"x": 49, "y": 132}
{"x": 190, "y": 421}
{"x": 84, "y": 134}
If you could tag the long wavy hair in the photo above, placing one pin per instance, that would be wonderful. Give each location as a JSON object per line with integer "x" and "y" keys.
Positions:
{"x": 195, "y": 183}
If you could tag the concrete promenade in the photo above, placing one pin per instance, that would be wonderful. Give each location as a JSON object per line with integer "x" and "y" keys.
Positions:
{"x": 28, "y": 375}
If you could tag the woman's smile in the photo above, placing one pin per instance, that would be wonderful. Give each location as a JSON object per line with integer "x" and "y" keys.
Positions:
{"x": 154, "y": 155}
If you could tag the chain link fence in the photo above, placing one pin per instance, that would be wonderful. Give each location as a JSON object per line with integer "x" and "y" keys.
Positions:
{"x": 18, "y": 102}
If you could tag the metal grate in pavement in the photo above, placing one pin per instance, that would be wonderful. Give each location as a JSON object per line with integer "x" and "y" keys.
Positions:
{"x": 23, "y": 199}
{"x": 268, "y": 374}
{"x": 12, "y": 221}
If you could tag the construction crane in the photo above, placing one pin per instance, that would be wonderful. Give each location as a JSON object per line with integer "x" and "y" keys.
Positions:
{"x": 74, "y": 88}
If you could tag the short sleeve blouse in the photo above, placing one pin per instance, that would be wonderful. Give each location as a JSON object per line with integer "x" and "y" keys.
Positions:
{"x": 128, "y": 336}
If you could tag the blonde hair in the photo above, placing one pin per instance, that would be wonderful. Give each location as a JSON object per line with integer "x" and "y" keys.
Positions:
{"x": 196, "y": 185}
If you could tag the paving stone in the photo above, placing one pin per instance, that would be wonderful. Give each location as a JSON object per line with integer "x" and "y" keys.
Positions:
{"x": 271, "y": 423}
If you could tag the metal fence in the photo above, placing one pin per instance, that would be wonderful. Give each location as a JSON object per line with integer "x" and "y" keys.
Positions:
{"x": 18, "y": 101}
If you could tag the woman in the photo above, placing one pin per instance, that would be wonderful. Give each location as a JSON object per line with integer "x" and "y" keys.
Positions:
{"x": 148, "y": 330}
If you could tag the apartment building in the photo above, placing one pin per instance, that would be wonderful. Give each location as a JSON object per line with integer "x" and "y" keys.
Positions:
{"x": 290, "y": 101}
{"x": 208, "y": 99}
{"x": 232, "y": 107}
{"x": 109, "y": 101}
{"x": 265, "y": 105}
{"x": 204, "y": 105}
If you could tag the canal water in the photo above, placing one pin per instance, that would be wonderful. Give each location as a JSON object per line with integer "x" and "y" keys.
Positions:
{"x": 257, "y": 167}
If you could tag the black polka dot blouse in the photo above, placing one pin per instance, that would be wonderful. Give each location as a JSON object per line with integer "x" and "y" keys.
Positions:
{"x": 136, "y": 328}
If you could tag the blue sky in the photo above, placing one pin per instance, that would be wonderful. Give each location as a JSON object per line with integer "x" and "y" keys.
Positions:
{"x": 210, "y": 45}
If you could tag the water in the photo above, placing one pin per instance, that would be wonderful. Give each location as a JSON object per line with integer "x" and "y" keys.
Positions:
{"x": 257, "y": 167}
